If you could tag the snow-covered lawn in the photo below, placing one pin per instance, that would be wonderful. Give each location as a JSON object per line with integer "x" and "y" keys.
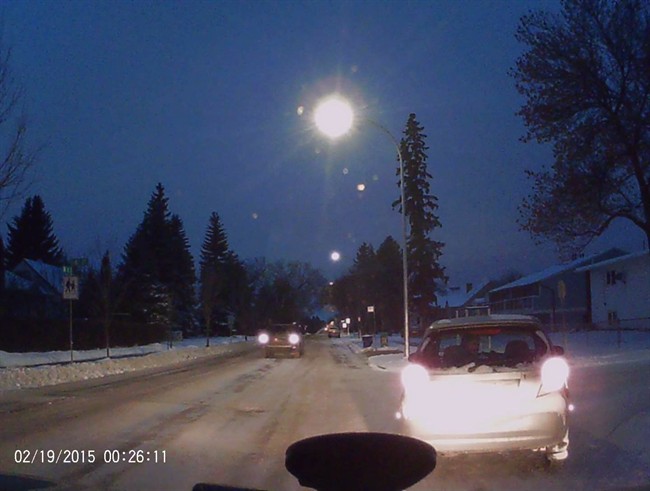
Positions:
{"x": 25, "y": 370}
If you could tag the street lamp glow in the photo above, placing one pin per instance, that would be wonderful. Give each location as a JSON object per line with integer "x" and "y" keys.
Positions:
{"x": 334, "y": 117}
{"x": 335, "y": 256}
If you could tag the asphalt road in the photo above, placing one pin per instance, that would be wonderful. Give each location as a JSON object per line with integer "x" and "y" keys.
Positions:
{"x": 224, "y": 420}
{"x": 229, "y": 420}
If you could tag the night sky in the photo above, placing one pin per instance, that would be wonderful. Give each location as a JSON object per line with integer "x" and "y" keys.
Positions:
{"x": 204, "y": 97}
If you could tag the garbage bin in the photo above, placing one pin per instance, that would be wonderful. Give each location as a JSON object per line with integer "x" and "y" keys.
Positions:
{"x": 366, "y": 339}
{"x": 383, "y": 339}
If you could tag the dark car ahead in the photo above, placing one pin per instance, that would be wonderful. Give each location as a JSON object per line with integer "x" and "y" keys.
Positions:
{"x": 282, "y": 340}
{"x": 334, "y": 332}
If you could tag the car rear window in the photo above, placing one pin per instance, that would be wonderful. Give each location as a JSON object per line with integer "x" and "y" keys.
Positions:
{"x": 282, "y": 328}
{"x": 495, "y": 346}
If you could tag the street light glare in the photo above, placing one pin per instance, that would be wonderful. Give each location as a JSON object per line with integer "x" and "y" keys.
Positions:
{"x": 334, "y": 117}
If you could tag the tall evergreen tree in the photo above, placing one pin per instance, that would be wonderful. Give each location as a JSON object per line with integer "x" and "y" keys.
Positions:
{"x": 214, "y": 255}
{"x": 182, "y": 275}
{"x": 364, "y": 274}
{"x": 390, "y": 294}
{"x": 31, "y": 236}
{"x": 157, "y": 270}
{"x": 223, "y": 282}
{"x": 138, "y": 272}
{"x": 342, "y": 295}
{"x": 374, "y": 279}
{"x": 364, "y": 269}
{"x": 98, "y": 297}
{"x": 425, "y": 271}
{"x": 238, "y": 295}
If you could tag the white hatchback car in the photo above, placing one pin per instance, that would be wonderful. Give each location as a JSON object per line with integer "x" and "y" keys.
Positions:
{"x": 488, "y": 383}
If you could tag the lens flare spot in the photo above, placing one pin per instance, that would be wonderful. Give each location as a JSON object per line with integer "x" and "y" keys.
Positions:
{"x": 300, "y": 111}
{"x": 335, "y": 256}
{"x": 346, "y": 171}
{"x": 361, "y": 187}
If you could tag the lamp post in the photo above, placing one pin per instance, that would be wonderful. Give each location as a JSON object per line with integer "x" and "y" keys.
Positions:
{"x": 334, "y": 117}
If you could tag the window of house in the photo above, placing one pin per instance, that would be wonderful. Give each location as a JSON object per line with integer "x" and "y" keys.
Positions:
{"x": 614, "y": 277}
{"x": 612, "y": 317}
{"x": 611, "y": 277}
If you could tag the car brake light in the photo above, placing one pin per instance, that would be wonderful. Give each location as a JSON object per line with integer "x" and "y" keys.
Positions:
{"x": 555, "y": 373}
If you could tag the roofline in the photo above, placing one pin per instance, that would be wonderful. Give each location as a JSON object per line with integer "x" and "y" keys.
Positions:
{"x": 560, "y": 269}
{"x": 468, "y": 297}
{"x": 485, "y": 320}
{"x": 614, "y": 260}
{"x": 32, "y": 263}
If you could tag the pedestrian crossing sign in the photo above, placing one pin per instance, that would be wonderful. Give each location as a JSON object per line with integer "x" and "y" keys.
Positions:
{"x": 71, "y": 288}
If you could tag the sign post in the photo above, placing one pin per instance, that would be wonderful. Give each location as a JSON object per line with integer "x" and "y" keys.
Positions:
{"x": 371, "y": 310}
{"x": 70, "y": 293}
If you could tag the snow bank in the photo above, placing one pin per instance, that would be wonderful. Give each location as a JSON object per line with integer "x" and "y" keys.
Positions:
{"x": 21, "y": 372}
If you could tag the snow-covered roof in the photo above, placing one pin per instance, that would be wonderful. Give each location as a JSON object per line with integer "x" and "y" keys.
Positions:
{"x": 458, "y": 296}
{"x": 558, "y": 269}
{"x": 52, "y": 275}
{"x": 614, "y": 260}
{"x": 15, "y": 282}
{"x": 483, "y": 320}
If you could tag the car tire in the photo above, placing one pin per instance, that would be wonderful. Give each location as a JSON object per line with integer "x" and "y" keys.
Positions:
{"x": 557, "y": 455}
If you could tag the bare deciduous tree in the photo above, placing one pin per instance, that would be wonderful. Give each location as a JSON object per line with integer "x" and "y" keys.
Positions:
{"x": 16, "y": 157}
{"x": 586, "y": 79}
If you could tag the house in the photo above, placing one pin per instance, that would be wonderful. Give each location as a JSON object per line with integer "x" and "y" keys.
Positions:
{"x": 620, "y": 291}
{"x": 34, "y": 289}
{"x": 558, "y": 295}
{"x": 44, "y": 278}
{"x": 456, "y": 301}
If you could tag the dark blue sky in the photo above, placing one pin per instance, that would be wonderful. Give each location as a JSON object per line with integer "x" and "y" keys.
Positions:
{"x": 204, "y": 96}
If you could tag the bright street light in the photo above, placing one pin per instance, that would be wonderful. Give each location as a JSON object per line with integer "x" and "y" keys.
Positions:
{"x": 334, "y": 117}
